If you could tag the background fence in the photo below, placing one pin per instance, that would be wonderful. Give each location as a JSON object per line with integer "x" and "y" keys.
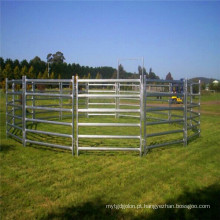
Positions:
{"x": 109, "y": 114}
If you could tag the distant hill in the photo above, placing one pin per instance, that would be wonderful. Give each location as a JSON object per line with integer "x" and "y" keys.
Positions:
{"x": 204, "y": 79}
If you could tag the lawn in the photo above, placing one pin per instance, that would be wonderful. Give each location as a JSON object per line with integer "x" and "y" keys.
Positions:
{"x": 44, "y": 183}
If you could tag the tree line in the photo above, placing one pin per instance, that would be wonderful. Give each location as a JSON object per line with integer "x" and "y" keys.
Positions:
{"x": 56, "y": 68}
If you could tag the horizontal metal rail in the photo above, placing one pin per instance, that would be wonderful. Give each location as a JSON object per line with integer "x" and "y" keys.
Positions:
{"x": 164, "y": 81}
{"x": 193, "y": 135}
{"x": 100, "y": 91}
{"x": 49, "y": 80}
{"x": 14, "y": 116}
{"x": 99, "y": 84}
{"x": 163, "y": 109}
{"x": 49, "y": 133}
{"x": 109, "y": 148}
{"x": 109, "y": 124}
{"x": 49, "y": 109}
{"x": 164, "y": 144}
{"x": 48, "y": 144}
{"x": 152, "y": 94}
{"x": 48, "y": 122}
{"x": 134, "y": 116}
{"x": 110, "y": 136}
{"x": 107, "y": 96}
{"x": 109, "y": 80}
{"x": 47, "y": 94}
{"x": 19, "y": 81}
{"x": 14, "y": 93}
{"x": 92, "y": 103}
{"x": 164, "y": 122}
{"x": 164, "y": 133}
{"x": 109, "y": 110}
{"x": 101, "y": 114}
{"x": 14, "y": 126}
{"x": 15, "y": 136}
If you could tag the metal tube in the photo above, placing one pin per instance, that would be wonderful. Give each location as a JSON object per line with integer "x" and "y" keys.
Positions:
{"x": 109, "y": 124}
{"x": 144, "y": 113}
{"x": 49, "y": 109}
{"x": 108, "y": 96}
{"x": 24, "y": 109}
{"x": 15, "y": 136}
{"x": 185, "y": 113}
{"x": 165, "y": 122}
{"x": 164, "y": 133}
{"x": 108, "y": 110}
{"x": 108, "y": 80}
{"x": 6, "y": 97}
{"x": 141, "y": 110}
{"x": 13, "y": 102}
{"x": 77, "y": 118}
{"x": 49, "y": 133}
{"x": 48, "y": 144}
{"x": 47, "y": 94}
{"x": 164, "y": 144}
{"x": 73, "y": 140}
{"x": 110, "y": 136}
{"x": 49, "y": 122}
{"x": 199, "y": 105}
{"x": 109, "y": 148}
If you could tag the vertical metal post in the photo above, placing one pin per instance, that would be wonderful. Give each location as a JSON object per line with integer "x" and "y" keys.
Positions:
{"x": 6, "y": 106}
{"x": 115, "y": 99}
{"x": 144, "y": 113}
{"x": 77, "y": 119}
{"x": 191, "y": 92}
{"x": 13, "y": 103}
{"x": 33, "y": 100}
{"x": 185, "y": 113}
{"x": 72, "y": 115}
{"x": 169, "y": 102}
{"x": 141, "y": 113}
{"x": 199, "y": 106}
{"x": 24, "y": 109}
{"x": 87, "y": 99}
{"x": 61, "y": 99}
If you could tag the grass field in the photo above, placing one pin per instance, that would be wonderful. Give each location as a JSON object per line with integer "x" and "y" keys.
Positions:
{"x": 43, "y": 183}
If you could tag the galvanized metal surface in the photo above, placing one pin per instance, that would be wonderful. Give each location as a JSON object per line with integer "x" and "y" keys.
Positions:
{"x": 114, "y": 89}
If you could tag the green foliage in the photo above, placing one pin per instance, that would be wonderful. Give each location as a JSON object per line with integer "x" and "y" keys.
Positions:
{"x": 98, "y": 76}
{"x": 31, "y": 73}
{"x": 24, "y": 71}
{"x": 39, "y": 75}
{"x": 17, "y": 73}
{"x": 52, "y": 75}
{"x": 7, "y": 72}
{"x": 45, "y": 74}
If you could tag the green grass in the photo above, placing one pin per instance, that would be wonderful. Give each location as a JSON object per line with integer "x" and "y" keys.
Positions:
{"x": 43, "y": 183}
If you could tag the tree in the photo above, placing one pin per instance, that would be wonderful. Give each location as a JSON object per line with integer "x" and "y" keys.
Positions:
{"x": 169, "y": 76}
{"x": 7, "y": 72}
{"x": 122, "y": 72}
{"x": 52, "y": 75}
{"x": 98, "y": 76}
{"x": 24, "y": 71}
{"x": 45, "y": 74}
{"x": 39, "y": 75}
{"x": 152, "y": 75}
{"x": 89, "y": 76}
{"x": 58, "y": 57}
{"x": 17, "y": 73}
{"x": 59, "y": 76}
{"x": 31, "y": 74}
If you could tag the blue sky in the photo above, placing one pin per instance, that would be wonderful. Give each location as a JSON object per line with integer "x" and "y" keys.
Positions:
{"x": 181, "y": 37}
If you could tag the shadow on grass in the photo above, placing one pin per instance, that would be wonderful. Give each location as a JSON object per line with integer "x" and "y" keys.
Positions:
{"x": 96, "y": 209}
{"x": 5, "y": 148}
